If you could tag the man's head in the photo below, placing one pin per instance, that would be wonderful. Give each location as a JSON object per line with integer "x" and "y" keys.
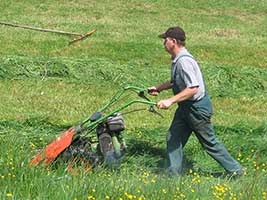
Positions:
{"x": 175, "y": 33}
{"x": 174, "y": 38}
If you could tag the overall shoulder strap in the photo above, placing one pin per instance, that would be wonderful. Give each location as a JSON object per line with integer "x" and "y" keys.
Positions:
{"x": 199, "y": 66}
{"x": 186, "y": 56}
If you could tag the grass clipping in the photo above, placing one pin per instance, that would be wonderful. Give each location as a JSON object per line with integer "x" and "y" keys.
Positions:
{"x": 221, "y": 80}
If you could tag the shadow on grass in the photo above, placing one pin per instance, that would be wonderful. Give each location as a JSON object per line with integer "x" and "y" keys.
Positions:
{"x": 139, "y": 148}
{"x": 36, "y": 122}
{"x": 32, "y": 126}
{"x": 155, "y": 147}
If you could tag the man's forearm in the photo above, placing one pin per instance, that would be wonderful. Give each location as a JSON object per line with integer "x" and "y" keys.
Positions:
{"x": 184, "y": 95}
{"x": 164, "y": 86}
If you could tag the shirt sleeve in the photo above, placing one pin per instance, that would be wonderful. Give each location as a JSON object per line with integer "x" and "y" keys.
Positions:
{"x": 189, "y": 73}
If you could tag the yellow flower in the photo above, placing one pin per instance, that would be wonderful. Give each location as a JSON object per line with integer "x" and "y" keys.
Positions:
{"x": 129, "y": 196}
{"x": 141, "y": 197}
{"x": 9, "y": 195}
{"x": 164, "y": 191}
{"x": 91, "y": 197}
{"x": 32, "y": 144}
{"x": 145, "y": 174}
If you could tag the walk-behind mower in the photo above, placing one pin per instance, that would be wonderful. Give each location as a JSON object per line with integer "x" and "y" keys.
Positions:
{"x": 76, "y": 144}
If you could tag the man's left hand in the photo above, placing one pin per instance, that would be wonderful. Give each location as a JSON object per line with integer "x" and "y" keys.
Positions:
{"x": 164, "y": 104}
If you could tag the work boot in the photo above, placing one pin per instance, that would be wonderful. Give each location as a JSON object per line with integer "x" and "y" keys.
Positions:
{"x": 173, "y": 172}
{"x": 236, "y": 174}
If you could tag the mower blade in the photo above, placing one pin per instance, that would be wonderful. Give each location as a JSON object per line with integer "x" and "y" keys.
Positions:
{"x": 55, "y": 148}
{"x": 59, "y": 145}
{"x": 38, "y": 158}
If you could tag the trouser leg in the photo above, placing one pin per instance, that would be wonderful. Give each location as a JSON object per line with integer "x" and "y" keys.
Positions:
{"x": 206, "y": 136}
{"x": 177, "y": 137}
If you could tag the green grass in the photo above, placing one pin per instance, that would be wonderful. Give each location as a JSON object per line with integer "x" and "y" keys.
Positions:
{"x": 47, "y": 86}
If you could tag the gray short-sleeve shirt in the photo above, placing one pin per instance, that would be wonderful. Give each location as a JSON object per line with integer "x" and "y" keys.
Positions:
{"x": 185, "y": 73}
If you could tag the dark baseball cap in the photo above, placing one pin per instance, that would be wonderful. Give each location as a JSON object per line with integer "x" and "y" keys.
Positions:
{"x": 174, "y": 32}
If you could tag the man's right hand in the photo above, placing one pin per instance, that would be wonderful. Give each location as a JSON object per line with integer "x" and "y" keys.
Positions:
{"x": 153, "y": 91}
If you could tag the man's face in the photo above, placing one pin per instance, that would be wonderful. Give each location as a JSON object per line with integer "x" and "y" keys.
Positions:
{"x": 169, "y": 44}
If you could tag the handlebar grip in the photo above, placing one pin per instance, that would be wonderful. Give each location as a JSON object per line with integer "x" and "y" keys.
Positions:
{"x": 153, "y": 90}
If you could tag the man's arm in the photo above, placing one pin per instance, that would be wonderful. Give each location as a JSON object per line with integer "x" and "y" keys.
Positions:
{"x": 183, "y": 95}
{"x": 164, "y": 86}
{"x": 155, "y": 90}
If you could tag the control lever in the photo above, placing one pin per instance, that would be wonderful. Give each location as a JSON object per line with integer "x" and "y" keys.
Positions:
{"x": 152, "y": 109}
{"x": 142, "y": 95}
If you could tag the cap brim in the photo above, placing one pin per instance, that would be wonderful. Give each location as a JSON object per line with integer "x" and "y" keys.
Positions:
{"x": 163, "y": 35}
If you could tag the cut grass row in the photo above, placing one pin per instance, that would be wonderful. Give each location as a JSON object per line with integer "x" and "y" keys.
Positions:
{"x": 222, "y": 80}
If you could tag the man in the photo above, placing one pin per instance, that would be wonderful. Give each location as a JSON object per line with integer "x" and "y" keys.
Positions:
{"x": 195, "y": 109}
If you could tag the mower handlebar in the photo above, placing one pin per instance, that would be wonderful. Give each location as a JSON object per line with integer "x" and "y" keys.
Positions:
{"x": 141, "y": 93}
{"x": 138, "y": 90}
{"x": 102, "y": 118}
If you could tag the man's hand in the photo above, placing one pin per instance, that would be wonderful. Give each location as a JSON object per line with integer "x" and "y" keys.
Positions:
{"x": 153, "y": 91}
{"x": 164, "y": 104}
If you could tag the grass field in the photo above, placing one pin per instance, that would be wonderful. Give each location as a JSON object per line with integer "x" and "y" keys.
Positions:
{"x": 47, "y": 86}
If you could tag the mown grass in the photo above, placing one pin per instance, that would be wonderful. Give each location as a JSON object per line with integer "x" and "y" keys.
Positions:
{"x": 47, "y": 86}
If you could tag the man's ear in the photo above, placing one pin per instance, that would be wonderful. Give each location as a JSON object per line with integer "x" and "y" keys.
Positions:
{"x": 175, "y": 41}
{"x": 178, "y": 42}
